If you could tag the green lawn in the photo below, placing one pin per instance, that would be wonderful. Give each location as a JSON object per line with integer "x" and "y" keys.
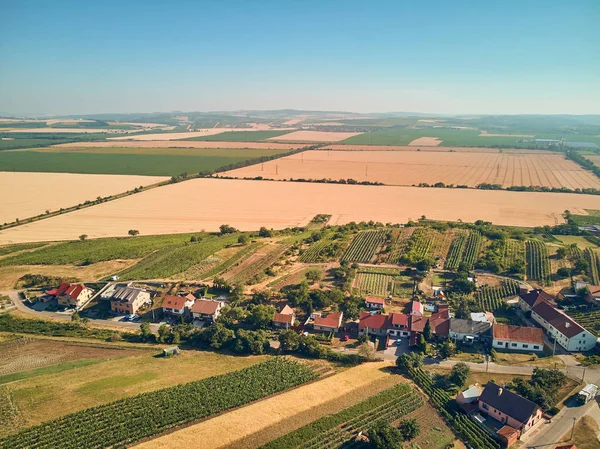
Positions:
{"x": 197, "y": 152}
{"x": 580, "y": 241}
{"x": 130, "y": 164}
{"x": 241, "y": 136}
{"x": 52, "y": 369}
{"x": 592, "y": 218}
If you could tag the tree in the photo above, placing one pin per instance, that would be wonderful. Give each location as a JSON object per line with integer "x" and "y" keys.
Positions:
{"x": 561, "y": 252}
{"x": 427, "y": 332}
{"x": 264, "y": 232}
{"x": 164, "y": 333}
{"x": 422, "y": 344}
{"x": 447, "y": 349}
{"x": 367, "y": 350}
{"x": 82, "y": 237}
{"x": 563, "y": 272}
{"x": 243, "y": 239}
{"x": 133, "y": 232}
{"x": 261, "y": 315}
{"x": 145, "y": 332}
{"x": 219, "y": 336}
{"x": 383, "y": 436}
{"x": 314, "y": 275}
{"x": 409, "y": 360}
{"x": 237, "y": 293}
{"x": 226, "y": 229}
{"x": 409, "y": 429}
{"x": 459, "y": 374}
{"x": 289, "y": 341}
{"x": 581, "y": 266}
{"x": 193, "y": 239}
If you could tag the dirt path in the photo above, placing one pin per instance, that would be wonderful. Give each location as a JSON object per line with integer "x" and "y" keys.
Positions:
{"x": 230, "y": 427}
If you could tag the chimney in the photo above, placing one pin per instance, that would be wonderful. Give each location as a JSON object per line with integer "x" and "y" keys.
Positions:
{"x": 567, "y": 324}
{"x": 500, "y": 390}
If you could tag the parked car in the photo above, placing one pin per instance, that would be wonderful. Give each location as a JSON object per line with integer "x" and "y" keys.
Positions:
{"x": 345, "y": 337}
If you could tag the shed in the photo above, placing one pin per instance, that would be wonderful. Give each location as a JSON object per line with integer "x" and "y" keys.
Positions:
{"x": 173, "y": 350}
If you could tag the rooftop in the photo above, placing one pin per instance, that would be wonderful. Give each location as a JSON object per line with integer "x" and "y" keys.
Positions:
{"x": 205, "y": 307}
{"x": 533, "y": 335}
{"x": 174, "y": 302}
{"x": 331, "y": 320}
{"x": 535, "y": 296}
{"x": 375, "y": 300}
{"x": 562, "y": 322}
{"x": 283, "y": 318}
{"x": 461, "y": 326}
{"x": 507, "y": 402}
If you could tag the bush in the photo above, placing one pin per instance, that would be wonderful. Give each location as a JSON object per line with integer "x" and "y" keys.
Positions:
{"x": 409, "y": 428}
{"x": 383, "y": 436}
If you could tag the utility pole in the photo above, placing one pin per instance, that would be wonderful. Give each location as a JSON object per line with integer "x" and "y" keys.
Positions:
{"x": 583, "y": 376}
{"x": 554, "y": 348}
{"x": 573, "y": 428}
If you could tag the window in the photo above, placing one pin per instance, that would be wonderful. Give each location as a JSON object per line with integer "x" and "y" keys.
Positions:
{"x": 536, "y": 347}
{"x": 525, "y": 346}
{"x": 513, "y": 344}
{"x": 485, "y": 406}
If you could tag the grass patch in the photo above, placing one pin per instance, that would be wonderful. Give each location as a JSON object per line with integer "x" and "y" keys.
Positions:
{"x": 581, "y": 242}
{"x": 8, "y": 249}
{"x": 52, "y": 369}
{"x": 585, "y": 435}
{"x": 126, "y": 163}
{"x": 583, "y": 220}
{"x": 241, "y": 136}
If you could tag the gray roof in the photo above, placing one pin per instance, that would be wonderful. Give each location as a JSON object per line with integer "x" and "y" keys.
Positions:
{"x": 461, "y": 326}
{"x": 127, "y": 294}
{"x": 507, "y": 402}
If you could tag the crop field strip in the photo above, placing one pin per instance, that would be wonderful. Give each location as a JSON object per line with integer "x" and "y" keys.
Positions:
{"x": 259, "y": 265}
{"x": 514, "y": 251}
{"x": 365, "y": 246}
{"x": 492, "y": 298}
{"x": 594, "y": 265}
{"x": 538, "y": 265}
{"x": 323, "y": 250}
{"x": 399, "y": 240}
{"x": 126, "y": 421}
{"x": 413, "y": 168}
{"x": 589, "y": 320}
{"x": 341, "y": 428}
{"x": 464, "y": 249}
{"x": 381, "y": 282}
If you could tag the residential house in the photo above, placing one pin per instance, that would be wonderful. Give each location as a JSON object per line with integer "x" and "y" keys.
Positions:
{"x": 395, "y": 324}
{"x": 562, "y": 328}
{"x": 593, "y": 295}
{"x": 415, "y": 308}
{"x": 177, "y": 305}
{"x": 467, "y": 331}
{"x": 206, "y": 310}
{"x": 285, "y": 318}
{"x": 329, "y": 323}
{"x": 71, "y": 295}
{"x": 483, "y": 317}
{"x": 374, "y": 302}
{"x": 509, "y": 408}
{"x": 517, "y": 338}
{"x": 470, "y": 395}
{"x": 527, "y": 301}
{"x": 440, "y": 322}
{"x": 128, "y": 299}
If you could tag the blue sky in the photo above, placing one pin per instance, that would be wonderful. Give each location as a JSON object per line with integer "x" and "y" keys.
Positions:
{"x": 77, "y": 57}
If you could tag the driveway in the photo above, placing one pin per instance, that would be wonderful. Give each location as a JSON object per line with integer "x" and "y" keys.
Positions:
{"x": 395, "y": 350}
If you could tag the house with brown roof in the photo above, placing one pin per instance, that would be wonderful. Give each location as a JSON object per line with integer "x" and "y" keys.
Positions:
{"x": 206, "y": 310}
{"x": 71, "y": 295}
{"x": 517, "y": 338}
{"x": 285, "y": 318}
{"x": 509, "y": 408}
{"x": 328, "y": 323}
{"x": 127, "y": 299}
{"x": 374, "y": 302}
{"x": 177, "y": 305}
{"x": 527, "y": 301}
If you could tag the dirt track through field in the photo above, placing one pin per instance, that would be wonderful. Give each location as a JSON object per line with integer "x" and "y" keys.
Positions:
{"x": 233, "y": 426}
{"x": 413, "y": 168}
{"x": 198, "y": 204}
{"x": 180, "y": 144}
{"x": 24, "y": 195}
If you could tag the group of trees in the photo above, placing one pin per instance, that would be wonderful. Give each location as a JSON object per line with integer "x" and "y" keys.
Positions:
{"x": 383, "y": 436}
{"x": 542, "y": 388}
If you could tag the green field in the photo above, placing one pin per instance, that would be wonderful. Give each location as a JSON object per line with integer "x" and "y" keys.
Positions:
{"x": 583, "y": 220}
{"x": 241, "y": 136}
{"x": 131, "y": 163}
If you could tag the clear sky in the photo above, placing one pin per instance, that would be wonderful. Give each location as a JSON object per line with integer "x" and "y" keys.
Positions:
{"x": 77, "y": 57}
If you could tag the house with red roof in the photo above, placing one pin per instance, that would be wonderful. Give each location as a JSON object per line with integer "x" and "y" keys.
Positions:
{"x": 403, "y": 325}
{"x": 71, "y": 295}
{"x": 284, "y": 318}
{"x": 374, "y": 302}
{"x": 328, "y": 323}
{"x": 416, "y": 308}
{"x": 206, "y": 310}
{"x": 517, "y": 338}
{"x": 177, "y": 305}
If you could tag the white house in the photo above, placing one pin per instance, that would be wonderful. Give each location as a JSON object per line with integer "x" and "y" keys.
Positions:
{"x": 176, "y": 305}
{"x": 329, "y": 323}
{"x": 467, "y": 331}
{"x": 527, "y": 301}
{"x": 374, "y": 302}
{"x": 563, "y": 328}
{"x": 206, "y": 310}
{"x": 517, "y": 338}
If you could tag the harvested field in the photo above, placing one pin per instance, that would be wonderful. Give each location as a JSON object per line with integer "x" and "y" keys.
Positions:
{"x": 237, "y": 425}
{"x": 426, "y": 142}
{"x": 187, "y": 135}
{"x": 357, "y": 147}
{"x": 594, "y": 159}
{"x": 248, "y": 205}
{"x": 180, "y": 144}
{"x": 25, "y": 195}
{"x": 69, "y": 130}
{"x": 314, "y": 136}
{"x": 413, "y": 168}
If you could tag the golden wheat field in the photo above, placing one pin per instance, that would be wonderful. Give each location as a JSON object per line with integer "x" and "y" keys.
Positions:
{"x": 24, "y": 195}
{"x": 206, "y": 203}
{"x": 180, "y": 144}
{"x": 314, "y": 136}
{"x": 413, "y": 168}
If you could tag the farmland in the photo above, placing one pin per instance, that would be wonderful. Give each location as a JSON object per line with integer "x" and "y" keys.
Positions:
{"x": 127, "y": 161}
{"x": 416, "y": 167}
{"x": 514, "y": 251}
{"x": 492, "y": 298}
{"x": 365, "y": 246}
{"x": 314, "y": 136}
{"x": 593, "y": 260}
{"x": 248, "y": 205}
{"x": 538, "y": 265}
{"x": 172, "y": 144}
{"x": 242, "y": 136}
{"x": 382, "y": 282}
{"x": 27, "y": 194}
{"x": 589, "y": 320}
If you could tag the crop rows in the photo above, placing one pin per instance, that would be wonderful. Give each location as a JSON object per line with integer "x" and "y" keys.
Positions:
{"x": 126, "y": 421}
{"x": 365, "y": 245}
{"x": 374, "y": 284}
{"x": 456, "y": 251}
{"x": 441, "y": 400}
{"x": 594, "y": 265}
{"x": 256, "y": 268}
{"x": 492, "y": 298}
{"x": 465, "y": 249}
{"x": 514, "y": 251}
{"x": 399, "y": 241}
{"x": 322, "y": 251}
{"x": 421, "y": 242}
{"x": 472, "y": 249}
{"x": 340, "y": 429}
{"x": 538, "y": 264}
{"x": 590, "y": 320}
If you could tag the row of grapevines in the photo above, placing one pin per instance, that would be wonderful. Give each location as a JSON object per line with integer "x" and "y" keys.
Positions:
{"x": 594, "y": 264}
{"x": 538, "y": 265}
{"x": 492, "y": 298}
{"x": 456, "y": 251}
{"x": 514, "y": 251}
{"x": 365, "y": 245}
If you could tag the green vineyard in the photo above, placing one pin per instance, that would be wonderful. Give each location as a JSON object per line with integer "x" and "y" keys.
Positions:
{"x": 489, "y": 299}
{"x": 594, "y": 265}
{"x": 364, "y": 247}
{"x": 514, "y": 251}
{"x": 589, "y": 320}
{"x": 538, "y": 265}
{"x": 126, "y": 421}
{"x": 399, "y": 241}
{"x": 341, "y": 429}
{"x": 322, "y": 251}
{"x": 465, "y": 249}
{"x": 382, "y": 282}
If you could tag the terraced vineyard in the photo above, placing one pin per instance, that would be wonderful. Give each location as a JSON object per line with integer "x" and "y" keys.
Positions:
{"x": 341, "y": 429}
{"x": 589, "y": 320}
{"x": 594, "y": 265}
{"x": 492, "y": 298}
{"x": 538, "y": 265}
{"x": 365, "y": 246}
{"x": 514, "y": 251}
{"x": 464, "y": 248}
